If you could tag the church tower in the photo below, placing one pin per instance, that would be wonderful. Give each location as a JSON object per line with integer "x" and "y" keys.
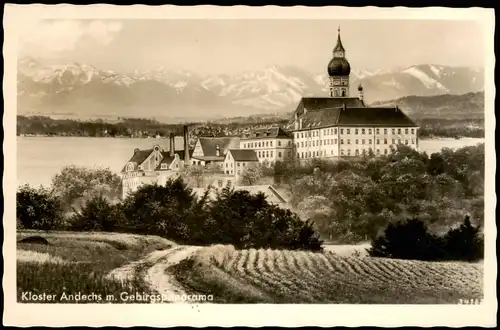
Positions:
{"x": 339, "y": 70}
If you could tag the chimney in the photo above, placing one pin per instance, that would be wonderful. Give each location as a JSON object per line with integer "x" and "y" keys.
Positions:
{"x": 172, "y": 144}
{"x": 186, "y": 146}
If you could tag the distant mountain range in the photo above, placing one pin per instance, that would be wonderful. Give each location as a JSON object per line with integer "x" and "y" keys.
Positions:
{"x": 80, "y": 90}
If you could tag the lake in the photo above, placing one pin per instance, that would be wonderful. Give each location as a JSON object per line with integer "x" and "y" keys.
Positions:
{"x": 40, "y": 158}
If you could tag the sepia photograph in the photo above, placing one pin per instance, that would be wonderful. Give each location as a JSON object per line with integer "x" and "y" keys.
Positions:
{"x": 207, "y": 160}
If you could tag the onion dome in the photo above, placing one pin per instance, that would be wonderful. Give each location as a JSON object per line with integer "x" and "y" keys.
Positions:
{"x": 339, "y": 66}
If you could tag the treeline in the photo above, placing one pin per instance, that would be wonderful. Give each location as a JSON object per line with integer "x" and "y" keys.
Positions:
{"x": 411, "y": 239}
{"x": 432, "y": 127}
{"x": 173, "y": 211}
{"x": 143, "y": 128}
{"x": 133, "y": 127}
{"x": 353, "y": 200}
{"x": 125, "y": 127}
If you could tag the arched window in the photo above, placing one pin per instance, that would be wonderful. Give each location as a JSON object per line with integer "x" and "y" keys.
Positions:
{"x": 130, "y": 167}
{"x": 343, "y": 92}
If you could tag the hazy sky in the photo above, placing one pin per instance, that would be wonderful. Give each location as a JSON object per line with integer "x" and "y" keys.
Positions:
{"x": 229, "y": 46}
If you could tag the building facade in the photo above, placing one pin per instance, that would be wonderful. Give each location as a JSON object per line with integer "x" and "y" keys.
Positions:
{"x": 238, "y": 159}
{"x": 270, "y": 144}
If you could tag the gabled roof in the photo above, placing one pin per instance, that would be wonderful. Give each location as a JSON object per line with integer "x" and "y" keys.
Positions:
{"x": 375, "y": 117}
{"x": 244, "y": 155}
{"x": 263, "y": 133}
{"x": 141, "y": 155}
{"x": 319, "y": 118}
{"x": 315, "y": 103}
{"x": 209, "y": 144}
{"x": 354, "y": 117}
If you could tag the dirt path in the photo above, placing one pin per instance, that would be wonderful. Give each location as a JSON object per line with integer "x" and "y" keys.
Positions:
{"x": 157, "y": 274}
{"x": 159, "y": 277}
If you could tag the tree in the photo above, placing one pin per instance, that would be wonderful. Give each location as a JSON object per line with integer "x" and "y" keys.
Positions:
{"x": 246, "y": 221}
{"x": 251, "y": 174}
{"x": 97, "y": 214}
{"x": 38, "y": 209}
{"x": 464, "y": 242}
{"x": 194, "y": 175}
{"x": 407, "y": 240}
{"x": 74, "y": 185}
{"x": 161, "y": 210}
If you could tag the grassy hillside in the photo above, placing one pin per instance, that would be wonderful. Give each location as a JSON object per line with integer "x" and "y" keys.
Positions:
{"x": 272, "y": 276}
{"x": 80, "y": 262}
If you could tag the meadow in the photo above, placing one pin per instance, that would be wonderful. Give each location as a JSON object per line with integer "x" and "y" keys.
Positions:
{"x": 73, "y": 263}
{"x": 279, "y": 276}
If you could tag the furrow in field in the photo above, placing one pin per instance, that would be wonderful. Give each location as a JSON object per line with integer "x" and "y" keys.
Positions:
{"x": 257, "y": 271}
{"x": 302, "y": 273}
{"x": 281, "y": 271}
{"x": 362, "y": 272}
{"x": 372, "y": 271}
{"x": 265, "y": 268}
{"x": 404, "y": 273}
{"x": 294, "y": 275}
{"x": 249, "y": 273}
{"x": 285, "y": 288}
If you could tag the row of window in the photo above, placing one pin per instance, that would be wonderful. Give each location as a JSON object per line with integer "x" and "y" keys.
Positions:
{"x": 333, "y": 131}
{"x": 237, "y": 164}
{"x": 263, "y": 144}
{"x": 309, "y": 154}
{"x": 269, "y": 154}
{"x": 317, "y": 143}
{"x": 319, "y": 153}
{"x": 357, "y": 152}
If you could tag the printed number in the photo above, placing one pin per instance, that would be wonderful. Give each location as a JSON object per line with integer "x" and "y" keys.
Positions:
{"x": 469, "y": 301}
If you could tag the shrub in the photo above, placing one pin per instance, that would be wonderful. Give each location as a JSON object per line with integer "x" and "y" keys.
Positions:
{"x": 407, "y": 240}
{"x": 159, "y": 210}
{"x": 37, "y": 209}
{"x": 97, "y": 214}
{"x": 411, "y": 240}
{"x": 249, "y": 221}
{"x": 464, "y": 242}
